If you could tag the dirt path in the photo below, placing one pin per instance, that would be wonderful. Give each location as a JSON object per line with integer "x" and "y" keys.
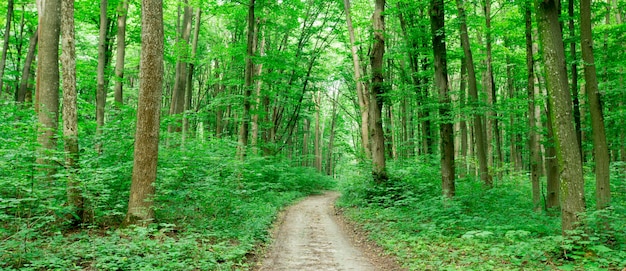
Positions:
{"x": 311, "y": 236}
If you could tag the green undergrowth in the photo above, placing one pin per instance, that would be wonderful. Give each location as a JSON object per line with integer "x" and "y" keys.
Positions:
{"x": 480, "y": 229}
{"x": 212, "y": 210}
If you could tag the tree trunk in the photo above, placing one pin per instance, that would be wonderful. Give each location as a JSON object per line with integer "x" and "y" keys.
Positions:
{"x": 360, "y": 88}
{"x": 533, "y": 138}
{"x": 317, "y": 144}
{"x": 177, "y": 104}
{"x": 190, "y": 73}
{"x": 492, "y": 119}
{"x": 379, "y": 170}
{"x": 600, "y": 148}
{"x": 479, "y": 132}
{"x": 254, "y": 140}
{"x": 248, "y": 84}
{"x": 70, "y": 118}
{"x": 5, "y": 45}
{"x": 47, "y": 93}
{"x": 570, "y": 166}
{"x": 305, "y": 142}
{"x": 122, "y": 11}
{"x": 331, "y": 137}
{"x": 101, "y": 81}
{"x": 32, "y": 46}
{"x": 463, "y": 123}
{"x": 437, "y": 19}
{"x": 574, "y": 69}
{"x": 552, "y": 167}
{"x": 140, "y": 210}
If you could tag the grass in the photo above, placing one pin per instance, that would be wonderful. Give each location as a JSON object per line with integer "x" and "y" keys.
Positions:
{"x": 479, "y": 229}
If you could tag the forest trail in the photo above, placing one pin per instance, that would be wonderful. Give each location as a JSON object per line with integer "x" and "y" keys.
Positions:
{"x": 312, "y": 236}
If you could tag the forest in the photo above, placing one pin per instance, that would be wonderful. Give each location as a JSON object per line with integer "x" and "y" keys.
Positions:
{"x": 170, "y": 134}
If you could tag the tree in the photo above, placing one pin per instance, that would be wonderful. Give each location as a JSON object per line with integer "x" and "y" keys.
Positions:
{"x": 533, "y": 137}
{"x": 122, "y": 11}
{"x": 23, "y": 90}
{"x": 600, "y": 148}
{"x": 70, "y": 117}
{"x": 140, "y": 210}
{"x": 437, "y": 21}
{"x": 360, "y": 88}
{"x": 5, "y": 45}
{"x": 570, "y": 166}
{"x": 479, "y": 130}
{"x": 177, "y": 104}
{"x": 379, "y": 170}
{"x": 248, "y": 84}
{"x": 101, "y": 91}
{"x": 47, "y": 93}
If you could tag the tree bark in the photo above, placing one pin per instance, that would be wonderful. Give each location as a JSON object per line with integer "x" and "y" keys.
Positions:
{"x": 317, "y": 144}
{"x": 248, "y": 84}
{"x": 379, "y": 170}
{"x": 479, "y": 132}
{"x": 190, "y": 73}
{"x": 177, "y": 104}
{"x": 446, "y": 129}
{"x": 101, "y": 80}
{"x": 70, "y": 118}
{"x": 600, "y": 148}
{"x": 360, "y": 88}
{"x": 140, "y": 203}
{"x": 30, "y": 56}
{"x": 493, "y": 129}
{"x": 122, "y": 11}
{"x": 569, "y": 159}
{"x": 533, "y": 138}
{"x": 574, "y": 70}
{"x": 47, "y": 93}
{"x": 331, "y": 137}
{"x": 5, "y": 45}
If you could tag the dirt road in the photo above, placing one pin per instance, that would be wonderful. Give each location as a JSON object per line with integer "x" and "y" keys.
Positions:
{"x": 312, "y": 237}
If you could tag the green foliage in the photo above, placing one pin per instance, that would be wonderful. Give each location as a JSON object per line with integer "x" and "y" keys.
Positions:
{"x": 212, "y": 209}
{"x": 479, "y": 229}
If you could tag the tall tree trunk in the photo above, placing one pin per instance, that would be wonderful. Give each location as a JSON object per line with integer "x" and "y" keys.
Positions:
{"x": 600, "y": 148}
{"x": 379, "y": 170}
{"x": 122, "y": 11}
{"x": 140, "y": 210}
{"x": 30, "y": 56}
{"x": 317, "y": 144}
{"x": 552, "y": 167}
{"x": 5, "y": 45}
{"x": 479, "y": 132}
{"x": 190, "y": 73}
{"x": 446, "y": 129}
{"x": 248, "y": 84}
{"x": 574, "y": 68}
{"x": 305, "y": 142}
{"x": 254, "y": 140}
{"x": 572, "y": 188}
{"x": 70, "y": 118}
{"x": 47, "y": 93}
{"x": 464, "y": 133}
{"x": 533, "y": 138}
{"x": 331, "y": 137}
{"x": 360, "y": 88}
{"x": 492, "y": 119}
{"x": 101, "y": 80}
{"x": 177, "y": 104}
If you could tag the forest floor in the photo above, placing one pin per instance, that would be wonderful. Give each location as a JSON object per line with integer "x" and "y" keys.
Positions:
{"x": 313, "y": 235}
